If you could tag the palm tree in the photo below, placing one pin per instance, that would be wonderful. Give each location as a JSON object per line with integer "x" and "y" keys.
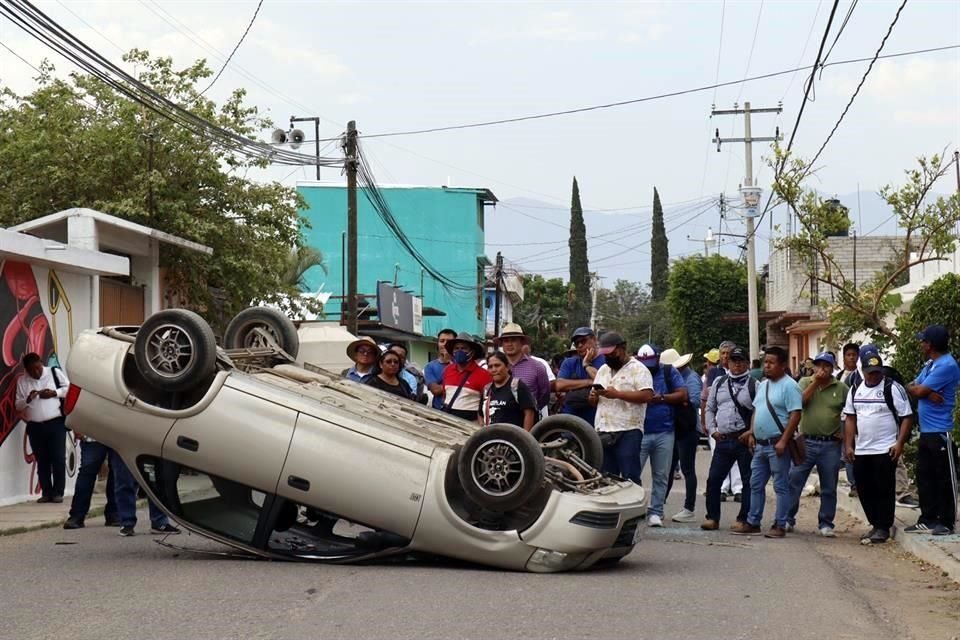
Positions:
{"x": 300, "y": 260}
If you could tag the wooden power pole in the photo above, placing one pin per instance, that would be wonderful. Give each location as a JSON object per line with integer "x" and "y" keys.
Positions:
{"x": 351, "y": 167}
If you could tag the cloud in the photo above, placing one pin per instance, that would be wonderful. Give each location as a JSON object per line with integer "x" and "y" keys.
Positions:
{"x": 560, "y": 26}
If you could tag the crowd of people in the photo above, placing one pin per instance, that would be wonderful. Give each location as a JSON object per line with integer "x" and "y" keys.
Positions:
{"x": 763, "y": 424}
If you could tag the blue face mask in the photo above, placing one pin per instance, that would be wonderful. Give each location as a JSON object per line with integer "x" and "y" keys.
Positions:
{"x": 462, "y": 357}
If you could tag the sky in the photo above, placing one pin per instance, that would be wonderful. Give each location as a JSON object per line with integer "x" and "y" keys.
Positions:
{"x": 400, "y": 66}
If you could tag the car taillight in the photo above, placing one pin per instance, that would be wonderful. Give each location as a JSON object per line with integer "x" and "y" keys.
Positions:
{"x": 73, "y": 394}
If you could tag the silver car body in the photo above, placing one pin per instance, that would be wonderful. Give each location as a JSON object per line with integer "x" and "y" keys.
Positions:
{"x": 369, "y": 458}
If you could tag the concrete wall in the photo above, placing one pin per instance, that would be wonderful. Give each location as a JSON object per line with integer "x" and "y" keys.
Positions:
{"x": 41, "y": 310}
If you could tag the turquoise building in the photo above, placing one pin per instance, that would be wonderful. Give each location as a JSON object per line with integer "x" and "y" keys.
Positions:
{"x": 446, "y": 225}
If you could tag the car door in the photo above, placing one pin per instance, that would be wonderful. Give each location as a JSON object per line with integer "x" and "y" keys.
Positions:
{"x": 352, "y": 475}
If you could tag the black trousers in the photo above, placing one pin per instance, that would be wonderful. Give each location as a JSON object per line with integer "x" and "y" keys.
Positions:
{"x": 876, "y": 476}
{"x": 937, "y": 479}
{"x": 49, "y": 443}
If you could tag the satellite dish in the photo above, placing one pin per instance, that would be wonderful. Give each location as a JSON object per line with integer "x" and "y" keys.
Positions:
{"x": 279, "y": 136}
{"x": 296, "y": 138}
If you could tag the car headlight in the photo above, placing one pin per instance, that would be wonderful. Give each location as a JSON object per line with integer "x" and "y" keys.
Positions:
{"x": 545, "y": 560}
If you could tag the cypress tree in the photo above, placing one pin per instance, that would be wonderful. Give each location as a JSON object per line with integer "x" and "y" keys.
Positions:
{"x": 659, "y": 254}
{"x": 579, "y": 305}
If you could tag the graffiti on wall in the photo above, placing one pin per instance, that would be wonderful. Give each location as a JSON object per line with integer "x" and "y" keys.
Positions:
{"x": 26, "y": 327}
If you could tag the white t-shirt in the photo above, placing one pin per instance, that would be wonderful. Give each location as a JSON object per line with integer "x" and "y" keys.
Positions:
{"x": 877, "y": 427}
{"x": 620, "y": 415}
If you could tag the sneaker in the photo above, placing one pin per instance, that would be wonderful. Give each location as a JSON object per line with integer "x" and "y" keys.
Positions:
{"x": 744, "y": 529}
{"x": 880, "y": 536}
{"x": 942, "y": 530}
{"x": 654, "y": 521}
{"x": 920, "y": 527}
{"x": 684, "y": 516}
{"x": 723, "y": 496}
{"x": 827, "y": 532}
{"x": 56, "y": 499}
{"x": 710, "y": 525}
{"x": 775, "y": 532}
{"x": 738, "y": 497}
{"x": 789, "y": 528}
{"x": 73, "y": 524}
{"x": 853, "y": 493}
{"x": 127, "y": 532}
{"x": 44, "y": 499}
{"x": 166, "y": 529}
{"x": 908, "y": 502}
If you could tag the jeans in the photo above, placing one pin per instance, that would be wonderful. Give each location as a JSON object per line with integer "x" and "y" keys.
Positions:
{"x": 733, "y": 482}
{"x": 92, "y": 455}
{"x": 623, "y": 458}
{"x": 825, "y": 456}
{"x": 727, "y": 455}
{"x": 48, "y": 440}
{"x": 658, "y": 447}
{"x": 767, "y": 463}
{"x": 125, "y": 490}
{"x": 685, "y": 454}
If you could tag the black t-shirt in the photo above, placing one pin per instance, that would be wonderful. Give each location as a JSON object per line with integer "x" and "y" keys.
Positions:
{"x": 503, "y": 408}
{"x": 402, "y": 389}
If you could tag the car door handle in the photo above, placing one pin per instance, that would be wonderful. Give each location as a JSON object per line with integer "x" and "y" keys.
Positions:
{"x": 298, "y": 483}
{"x": 187, "y": 443}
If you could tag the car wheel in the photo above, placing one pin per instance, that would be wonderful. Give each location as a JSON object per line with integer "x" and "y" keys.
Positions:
{"x": 241, "y": 331}
{"x": 501, "y": 467}
{"x": 582, "y": 439}
{"x": 175, "y": 350}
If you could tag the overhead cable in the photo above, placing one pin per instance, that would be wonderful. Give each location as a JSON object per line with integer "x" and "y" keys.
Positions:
{"x": 237, "y": 46}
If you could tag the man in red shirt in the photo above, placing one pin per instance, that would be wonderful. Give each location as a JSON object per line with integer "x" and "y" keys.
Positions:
{"x": 464, "y": 380}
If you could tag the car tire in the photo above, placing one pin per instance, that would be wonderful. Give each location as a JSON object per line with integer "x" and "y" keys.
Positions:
{"x": 501, "y": 467}
{"x": 240, "y": 331}
{"x": 585, "y": 441}
{"x": 175, "y": 350}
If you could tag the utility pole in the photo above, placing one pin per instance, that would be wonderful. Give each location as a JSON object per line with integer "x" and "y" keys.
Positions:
{"x": 751, "y": 197}
{"x": 956, "y": 165}
{"x": 498, "y": 283}
{"x": 350, "y": 163}
{"x": 594, "y": 291}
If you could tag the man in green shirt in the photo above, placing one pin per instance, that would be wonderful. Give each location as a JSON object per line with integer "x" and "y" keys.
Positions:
{"x": 823, "y": 399}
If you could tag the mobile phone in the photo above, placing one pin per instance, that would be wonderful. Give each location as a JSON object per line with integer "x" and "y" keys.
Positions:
{"x": 598, "y": 387}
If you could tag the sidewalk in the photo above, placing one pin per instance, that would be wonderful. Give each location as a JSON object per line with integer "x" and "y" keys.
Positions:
{"x": 28, "y": 516}
{"x": 939, "y": 551}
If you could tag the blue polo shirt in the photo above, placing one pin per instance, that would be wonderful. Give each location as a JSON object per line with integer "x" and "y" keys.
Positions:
{"x": 433, "y": 374}
{"x": 942, "y": 375}
{"x": 572, "y": 369}
{"x": 785, "y": 396}
{"x": 659, "y": 418}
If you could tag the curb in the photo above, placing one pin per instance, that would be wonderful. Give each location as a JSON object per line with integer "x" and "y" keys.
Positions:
{"x": 94, "y": 512}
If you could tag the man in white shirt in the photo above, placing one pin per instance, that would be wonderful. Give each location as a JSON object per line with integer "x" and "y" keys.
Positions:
{"x": 621, "y": 390}
{"x": 40, "y": 391}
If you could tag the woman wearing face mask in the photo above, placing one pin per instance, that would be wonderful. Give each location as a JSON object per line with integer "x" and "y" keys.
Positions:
{"x": 506, "y": 400}
{"x": 387, "y": 378}
{"x": 464, "y": 379}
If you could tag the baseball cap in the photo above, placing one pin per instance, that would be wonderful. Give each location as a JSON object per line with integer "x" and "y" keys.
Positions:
{"x": 582, "y": 332}
{"x": 738, "y": 353}
{"x": 937, "y": 335}
{"x": 712, "y": 356}
{"x": 609, "y": 342}
{"x": 870, "y": 361}
{"x": 825, "y": 357}
{"x": 648, "y": 354}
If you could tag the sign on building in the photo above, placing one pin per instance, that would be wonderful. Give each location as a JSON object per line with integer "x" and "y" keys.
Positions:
{"x": 398, "y": 309}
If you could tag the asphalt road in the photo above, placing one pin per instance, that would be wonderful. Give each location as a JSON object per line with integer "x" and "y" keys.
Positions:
{"x": 680, "y": 582}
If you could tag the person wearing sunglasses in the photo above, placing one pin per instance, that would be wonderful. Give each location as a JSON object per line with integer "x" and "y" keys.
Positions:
{"x": 387, "y": 378}
{"x": 364, "y": 353}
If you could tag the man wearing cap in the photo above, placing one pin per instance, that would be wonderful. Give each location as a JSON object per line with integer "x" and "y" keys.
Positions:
{"x": 686, "y": 436}
{"x": 622, "y": 387}
{"x": 511, "y": 341}
{"x": 733, "y": 482}
{"x": 464, "y": 380}
{"x": 778, "y": 405}
{"x": 658, "y": 427}
{"x": 577, "y": 373}
{"x": 936, "y": 391}
{"x": 364, "y": 353}
{"x": 878, "y": 423}
{"x": 823, "y": 400}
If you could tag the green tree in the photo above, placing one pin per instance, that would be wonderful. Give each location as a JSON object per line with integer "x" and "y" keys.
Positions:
{"x": 580, "y": 298}
{"x": 927, "y": 233}
{"x": 543, "y": 314}
{"x": 702, "y": 291}
{"x": 300, "y": 260}
{"x": 628, "y": 309}
{"x": 80, "y": 143}
{"x": 659, "y": 253}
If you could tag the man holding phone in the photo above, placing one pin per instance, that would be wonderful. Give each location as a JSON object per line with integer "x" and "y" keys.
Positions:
{"x": 39, "y": 393}
{"x": 620, "y": 391}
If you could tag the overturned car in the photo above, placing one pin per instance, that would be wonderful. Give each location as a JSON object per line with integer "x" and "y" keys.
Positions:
{"x": 285, "y": 461}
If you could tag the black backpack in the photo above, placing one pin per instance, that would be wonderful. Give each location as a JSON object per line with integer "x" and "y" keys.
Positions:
{"x": 891, "y": 375}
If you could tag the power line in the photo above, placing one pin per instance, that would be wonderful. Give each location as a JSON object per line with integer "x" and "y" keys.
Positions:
{"x": 803, "y": 53}
{"x": 621, "y": 103}
{"x": 843, "y": 25}
{"x": 756, "y": 31}
{"x": 239, "y": 42}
